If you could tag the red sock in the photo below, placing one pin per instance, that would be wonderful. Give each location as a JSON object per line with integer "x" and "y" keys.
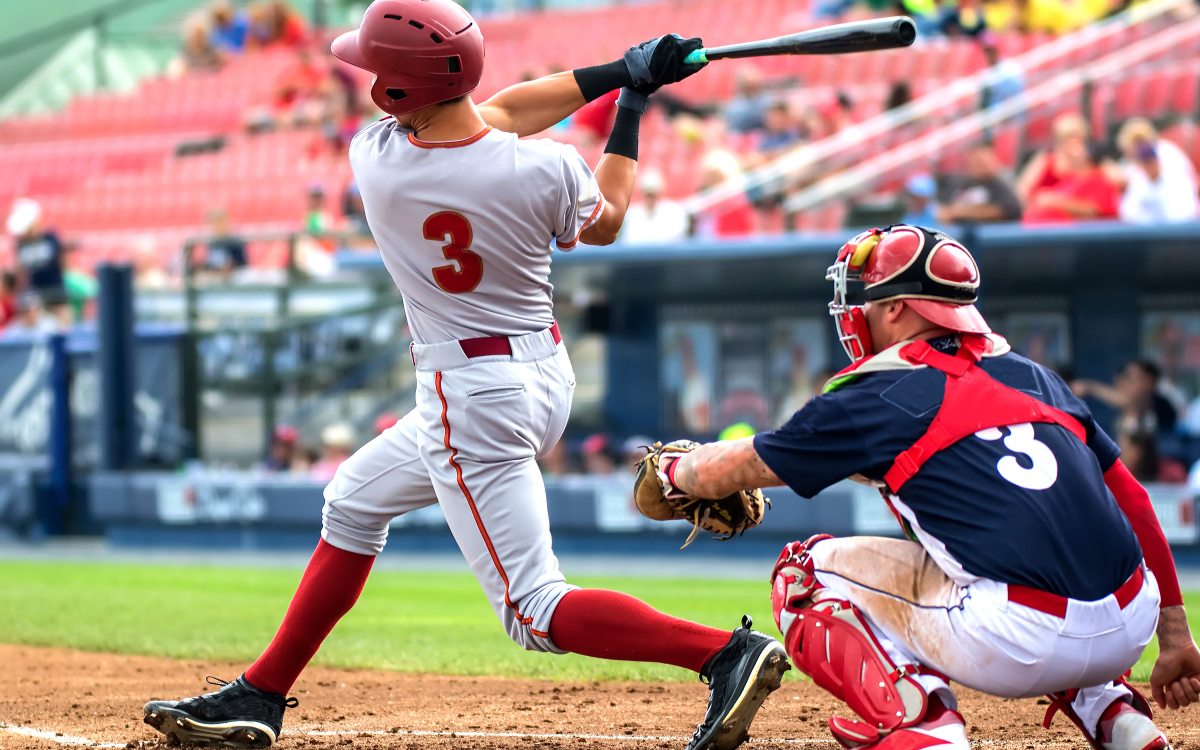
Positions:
{"x": 611, "y": 625}
{"x": 331, "y": 584}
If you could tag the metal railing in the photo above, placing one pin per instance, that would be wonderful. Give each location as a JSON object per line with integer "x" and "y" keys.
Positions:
{"x": 1058, "y": 92}
{"x": 946, "y": 104}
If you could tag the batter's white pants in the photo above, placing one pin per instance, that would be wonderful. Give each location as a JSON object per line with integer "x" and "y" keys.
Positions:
{"x": 470, "y": 444}
{"x": 976, "y": 637}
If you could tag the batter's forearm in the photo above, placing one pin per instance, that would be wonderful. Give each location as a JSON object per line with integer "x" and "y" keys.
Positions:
{"x": 614, "y": 176}
{"x": 717, "y": 470}
{"x": 531, "y": 107}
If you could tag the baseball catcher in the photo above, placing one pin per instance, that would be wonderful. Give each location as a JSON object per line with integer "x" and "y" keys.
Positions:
{"x": 1034, "y": 564}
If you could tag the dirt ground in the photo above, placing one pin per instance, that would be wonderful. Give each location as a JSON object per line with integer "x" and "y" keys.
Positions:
{"x": 51, "y": 698}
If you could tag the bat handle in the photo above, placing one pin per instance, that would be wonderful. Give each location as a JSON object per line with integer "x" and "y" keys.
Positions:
{"x": 696, "y": 57}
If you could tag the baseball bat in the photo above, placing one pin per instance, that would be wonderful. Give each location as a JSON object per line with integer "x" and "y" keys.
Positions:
{"x": 856, "y": 36}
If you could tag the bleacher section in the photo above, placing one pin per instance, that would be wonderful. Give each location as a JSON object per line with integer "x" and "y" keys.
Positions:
{"x": 106, "y": 168}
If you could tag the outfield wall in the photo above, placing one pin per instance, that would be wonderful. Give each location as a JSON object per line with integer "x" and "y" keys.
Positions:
{"x": 249, "y": 510}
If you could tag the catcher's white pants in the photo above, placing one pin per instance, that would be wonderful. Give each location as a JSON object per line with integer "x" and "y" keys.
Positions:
{"x": 976, "y": 637}
{"x": 470, "y": 444}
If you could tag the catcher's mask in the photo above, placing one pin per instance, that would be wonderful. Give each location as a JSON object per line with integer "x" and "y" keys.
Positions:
{"x": 929, "y": 270}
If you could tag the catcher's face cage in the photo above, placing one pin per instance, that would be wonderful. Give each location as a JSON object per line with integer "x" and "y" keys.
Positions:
{"x": 851, "y": 322}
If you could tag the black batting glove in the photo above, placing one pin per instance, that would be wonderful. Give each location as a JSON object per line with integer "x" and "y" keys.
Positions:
{"x": 660, "y": 62}
{"x": 645, "y": 68}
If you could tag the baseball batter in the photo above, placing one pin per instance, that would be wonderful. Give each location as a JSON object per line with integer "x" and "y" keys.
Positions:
{"x": 1034, "y": 563}
{"x": 466, "y": 216}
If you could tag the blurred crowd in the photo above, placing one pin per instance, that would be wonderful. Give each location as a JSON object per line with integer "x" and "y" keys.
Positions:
{"x": 1147, "y": 179}
{"x": 973, "y": 17}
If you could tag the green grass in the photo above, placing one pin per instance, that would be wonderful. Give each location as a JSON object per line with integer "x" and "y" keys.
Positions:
{"x": 408, "y": 621}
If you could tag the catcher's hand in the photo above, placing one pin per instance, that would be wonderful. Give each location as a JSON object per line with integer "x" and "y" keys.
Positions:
{"x": 658, "y": 498}
{"x": 659, "y": 62}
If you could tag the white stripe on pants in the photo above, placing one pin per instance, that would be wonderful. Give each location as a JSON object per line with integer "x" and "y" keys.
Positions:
{"x": 471, "y": 445}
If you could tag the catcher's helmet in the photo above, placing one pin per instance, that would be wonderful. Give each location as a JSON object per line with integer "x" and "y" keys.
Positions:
{"x": 421, "y": 51}
{"x": 931, "y": 271}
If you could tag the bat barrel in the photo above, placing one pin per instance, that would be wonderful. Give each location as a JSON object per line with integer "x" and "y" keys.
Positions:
{"x": 842, "y": 38}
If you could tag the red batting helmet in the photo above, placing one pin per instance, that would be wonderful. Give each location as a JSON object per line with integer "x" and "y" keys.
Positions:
{"x": 931, "y": 271}
{"x": 421, "y": 51}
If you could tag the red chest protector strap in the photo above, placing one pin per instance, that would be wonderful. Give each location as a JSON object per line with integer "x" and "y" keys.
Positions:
{"x": 973, "y": 401}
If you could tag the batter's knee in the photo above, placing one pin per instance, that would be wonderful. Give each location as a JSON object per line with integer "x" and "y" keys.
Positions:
{"x": 347, "y": 526}
{"x": 528, "y": 620}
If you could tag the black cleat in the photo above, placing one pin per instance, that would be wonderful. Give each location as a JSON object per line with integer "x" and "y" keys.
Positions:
{"x": 740, "y": 677}
{"x": 238, "y": 715}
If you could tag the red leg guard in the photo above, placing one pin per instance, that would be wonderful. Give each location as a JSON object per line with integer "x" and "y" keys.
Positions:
{"x": 828, "y": 640}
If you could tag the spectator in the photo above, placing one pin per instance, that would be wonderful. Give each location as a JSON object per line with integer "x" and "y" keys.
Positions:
{"x": 284, "y": 444}
{"x": 746, "y": 111}
{"x": 1134, "y": 393}
{"x": 898, "y": 95}
{"x": 1083, "y": 193}
{"x": 197, "y": 53}
{"x": 1047, "y": 168}
{"x": 920, "y": 206}
{"x": 8, "y": 298}
{"x": 40, "y": 259}
{"x": 303, "y": 91}
{"x": 1139, "y": 452}
{"x": 733, "y": 220}
{"x": 983, "y": 194}
{"x": 80, "y": 285}
{"x": 781, "y": 131}
{"x": 1160, "y": 181}
{"x": 1004, "y": 79}
{"x": 225, "y": 252}
{"x": 228, "y": 27}
{"x": 597, "y": 456}
{"x": 654, "y": 219}
{"x": 273, "y": 22}
{"x": 337, "y": 444}
{"x": 317, "y": 219}
{"x": 832, "y": 116}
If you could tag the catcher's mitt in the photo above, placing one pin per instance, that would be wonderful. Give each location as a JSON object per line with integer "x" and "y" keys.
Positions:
{"x": 658, "y": 498}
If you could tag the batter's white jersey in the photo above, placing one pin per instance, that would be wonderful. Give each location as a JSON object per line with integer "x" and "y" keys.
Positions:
{"x": 466, "y": 227}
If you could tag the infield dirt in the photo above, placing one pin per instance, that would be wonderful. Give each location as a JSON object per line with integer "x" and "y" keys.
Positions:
{"x": 100, "y": 697}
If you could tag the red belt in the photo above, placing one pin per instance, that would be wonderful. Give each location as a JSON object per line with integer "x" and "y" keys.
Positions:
{"x": 494, "y": 346}
{"x": 1053, "y": 604}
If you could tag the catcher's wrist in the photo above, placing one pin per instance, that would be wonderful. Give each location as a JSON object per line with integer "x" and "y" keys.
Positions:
{"x": 623, "y": 140}
{"x": 598, "y": 80}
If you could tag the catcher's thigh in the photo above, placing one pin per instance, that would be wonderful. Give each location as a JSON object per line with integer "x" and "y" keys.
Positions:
{"x": 383, "y": 479}
{"x": 972, "y": 633}
{"x": 484, "y": 422}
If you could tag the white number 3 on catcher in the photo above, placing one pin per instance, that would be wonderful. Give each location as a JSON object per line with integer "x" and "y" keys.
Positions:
{"x": 1020, "y": 439}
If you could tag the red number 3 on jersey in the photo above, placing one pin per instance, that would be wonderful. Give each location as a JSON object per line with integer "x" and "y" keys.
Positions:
{"x": 469, "y": 272}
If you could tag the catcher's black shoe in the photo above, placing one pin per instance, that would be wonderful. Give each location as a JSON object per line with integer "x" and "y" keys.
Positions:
{"x": 238, "y": 715}
{"x": 740, "y": 677}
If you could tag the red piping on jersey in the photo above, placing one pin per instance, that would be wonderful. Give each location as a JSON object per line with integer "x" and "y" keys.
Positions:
{"x": 475, "y": 511}
{"x": 448, "y": 144}
{"x": 591, "y": 219}
{"x": 973, "y": 401}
